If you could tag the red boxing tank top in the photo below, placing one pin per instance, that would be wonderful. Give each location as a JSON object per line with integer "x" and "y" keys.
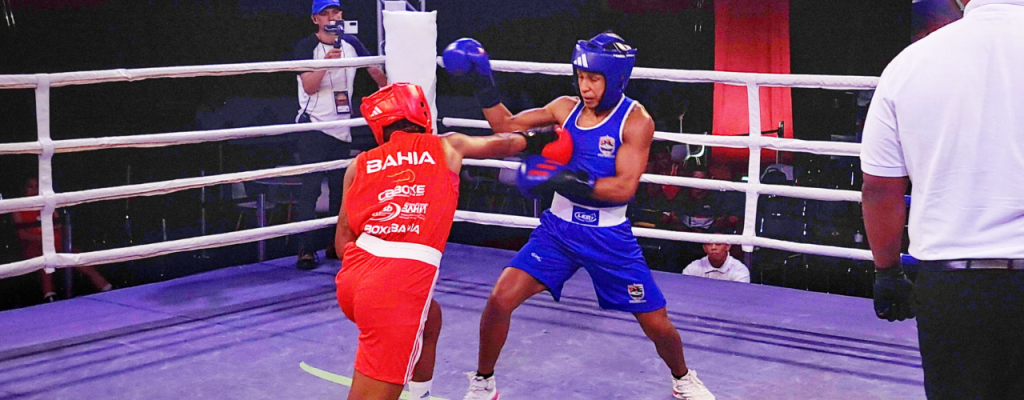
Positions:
{"x": 403, "y": 191}
{"x": 32, "y": 224}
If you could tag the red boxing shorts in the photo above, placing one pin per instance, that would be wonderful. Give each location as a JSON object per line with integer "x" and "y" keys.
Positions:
{"x": 388, "y": 300}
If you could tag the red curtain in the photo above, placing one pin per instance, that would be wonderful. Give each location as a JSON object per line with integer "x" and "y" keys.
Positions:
{"x": 750, "y": 36}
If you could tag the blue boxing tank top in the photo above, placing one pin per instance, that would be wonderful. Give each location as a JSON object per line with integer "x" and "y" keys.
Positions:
{"x": 594, "y": 148}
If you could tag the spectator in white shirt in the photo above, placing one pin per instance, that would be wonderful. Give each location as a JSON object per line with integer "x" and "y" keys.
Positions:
{"x": 718, "y": 264}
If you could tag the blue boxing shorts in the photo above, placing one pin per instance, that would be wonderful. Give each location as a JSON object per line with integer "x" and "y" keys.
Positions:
{"x": 611, "y": 255}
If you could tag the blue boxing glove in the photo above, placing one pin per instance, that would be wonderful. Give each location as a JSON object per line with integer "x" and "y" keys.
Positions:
{"x": 539, "y": 176}
{"x": 894, "y": 294}
{"x": 467, "y": 57}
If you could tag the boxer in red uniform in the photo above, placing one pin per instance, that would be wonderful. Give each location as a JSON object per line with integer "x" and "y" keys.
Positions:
{"x": 399, "y": 206}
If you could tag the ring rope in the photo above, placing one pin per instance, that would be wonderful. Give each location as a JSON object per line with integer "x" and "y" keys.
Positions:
{"x": 516, "y": 221}
{"x": 809, "y": 193}
{"x": 835, "y": 82}
{"x": 163, "y": 187}
{"x": 794, "y": 145}
{"x": 174, "y": 138}
{"x": 123, "y": 254}
{"x": 175, "y": 185}
{"x": 24, "y": 81}
{"x": 249, "y": 235}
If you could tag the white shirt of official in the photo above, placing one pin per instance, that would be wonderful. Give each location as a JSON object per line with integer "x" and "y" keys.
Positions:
{"x": 949, "y": 113}
{"x": 321, "y": 106}
{"x": 731, "y": 270}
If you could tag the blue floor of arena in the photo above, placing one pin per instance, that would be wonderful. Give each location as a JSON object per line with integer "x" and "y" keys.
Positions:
{"x": 269, "y": 331}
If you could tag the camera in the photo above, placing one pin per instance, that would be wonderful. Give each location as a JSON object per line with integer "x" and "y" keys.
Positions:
{"x": 336, "y": 28}
{"x": 340, "y": 28}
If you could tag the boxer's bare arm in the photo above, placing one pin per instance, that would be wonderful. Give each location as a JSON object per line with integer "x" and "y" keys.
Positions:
{"x": 344, "y": 234}
{"x": 631, "y": 159}
{"x": 499, "y": 145}
{"x": 502, "y": 120}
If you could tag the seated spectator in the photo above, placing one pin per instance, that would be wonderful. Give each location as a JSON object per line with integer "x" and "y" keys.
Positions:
{"x": 718, "y": 264}
{"x": 702, "y": 210}
{"x": 653, "y": 201}
{"x": 29, "y": 230}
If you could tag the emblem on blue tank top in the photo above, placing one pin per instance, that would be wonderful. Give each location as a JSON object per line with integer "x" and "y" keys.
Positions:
{"x": 606, "y": 144}
{"x": 584, "y": 216}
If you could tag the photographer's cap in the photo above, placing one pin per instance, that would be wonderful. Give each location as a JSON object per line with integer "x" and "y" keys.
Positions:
{"x": 320, "y": 5}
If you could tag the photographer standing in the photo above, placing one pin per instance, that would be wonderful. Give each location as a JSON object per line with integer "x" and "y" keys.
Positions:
{"x": 324, "y": 96}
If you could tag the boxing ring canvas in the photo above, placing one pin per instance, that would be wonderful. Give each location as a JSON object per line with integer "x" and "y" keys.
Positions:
{"x": 269, "y": 331}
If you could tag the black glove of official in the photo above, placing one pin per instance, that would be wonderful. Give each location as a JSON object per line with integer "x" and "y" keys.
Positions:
{"x": 894, "y": 294}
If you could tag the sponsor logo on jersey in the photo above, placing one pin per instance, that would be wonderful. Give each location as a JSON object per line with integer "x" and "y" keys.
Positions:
{"x": 398, "y": 159}
{"x": 403, "y": 176}
{"x": 405, "y": 211}
{"x": 389, "y": 212}
{"x": 402, "y": 191}
{"x": 636, "y": 292}
{"x": 584, "y": 216}
{"x": 606, "y": 144}
{"x": 378, "y": 230}
{"x": 414, "y": 210}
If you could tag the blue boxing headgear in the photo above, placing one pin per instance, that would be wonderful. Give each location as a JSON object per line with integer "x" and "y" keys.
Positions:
{"x": 609, "y": 55}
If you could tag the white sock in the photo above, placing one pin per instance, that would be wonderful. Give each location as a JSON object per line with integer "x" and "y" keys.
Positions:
{"x": 420, "y": 390}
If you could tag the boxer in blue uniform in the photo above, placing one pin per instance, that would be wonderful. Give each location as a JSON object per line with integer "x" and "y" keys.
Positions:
{"x": 586, "y": 226}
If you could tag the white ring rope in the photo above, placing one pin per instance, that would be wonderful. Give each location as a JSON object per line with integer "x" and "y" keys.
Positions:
{"x": 515, "y": 221}
{"x": 174, "y": 138}
{"x": 250, "y": 235}
{"x": 48, "y": 200}
{"x": 163, "y": 187}
{"x": 834, "y": 82}
{"x": 809, "y": 193}
{"x": 190, "y": 71}
{"x": 739, "y": 142}
{"x": 173, "y": 246}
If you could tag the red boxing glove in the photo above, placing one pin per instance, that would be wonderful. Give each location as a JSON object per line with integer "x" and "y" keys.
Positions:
{"x": 561, "y": 149}
{"x": 554, "y": 143}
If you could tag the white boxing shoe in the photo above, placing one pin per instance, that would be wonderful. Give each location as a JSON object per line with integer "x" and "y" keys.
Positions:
{"x": 480, "y": 388}
{"x": 690, "y": 388}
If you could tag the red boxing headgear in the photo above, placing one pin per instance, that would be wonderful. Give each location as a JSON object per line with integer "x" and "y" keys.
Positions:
{"x": 394, "y": 103}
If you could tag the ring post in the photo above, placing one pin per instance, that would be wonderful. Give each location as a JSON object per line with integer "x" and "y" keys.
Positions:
{"x": 45, "y": 170}
{"x": 412, "y": 51}
{"x": 261, "y": 221}
{"x": 380, "y": 28}
{"x": 67, "y": 246}
{"x": 754, "y": 166}
{"x": 202, "y": 214}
